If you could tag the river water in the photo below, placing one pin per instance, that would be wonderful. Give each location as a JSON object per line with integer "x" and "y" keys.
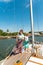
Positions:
{"x": 6, "y": 45}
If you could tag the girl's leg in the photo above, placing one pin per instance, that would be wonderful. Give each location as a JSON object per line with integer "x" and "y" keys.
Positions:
{"x": 12, "y": 54}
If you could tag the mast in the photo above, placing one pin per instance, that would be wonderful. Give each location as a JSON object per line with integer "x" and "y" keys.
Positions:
{"x": 32, "y": 23}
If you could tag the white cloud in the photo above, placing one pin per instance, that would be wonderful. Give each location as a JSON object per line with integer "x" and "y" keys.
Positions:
{"x": 5, "y": 0}
{"x": 34, "y": 1}
{"x": 27, "y": 5}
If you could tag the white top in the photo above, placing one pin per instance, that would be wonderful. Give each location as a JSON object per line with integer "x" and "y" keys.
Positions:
{"x": 21, "y": 36}
{"x": 26, "y": 38}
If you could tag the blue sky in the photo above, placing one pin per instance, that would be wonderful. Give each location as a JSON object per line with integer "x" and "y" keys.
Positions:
{"x": 15, "y": 15}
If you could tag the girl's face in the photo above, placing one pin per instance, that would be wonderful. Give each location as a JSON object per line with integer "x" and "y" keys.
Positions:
{"x": 20, "y": 33}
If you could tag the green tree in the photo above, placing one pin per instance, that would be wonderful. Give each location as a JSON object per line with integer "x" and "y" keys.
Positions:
{"x": 30, "y": 32}
{"x": 40, "y": 33}
{"x": 1, "y": 31}
{"x": 4, "y": 34}
{"x": 15, "y": 33}
{"x": 7, "y": 30}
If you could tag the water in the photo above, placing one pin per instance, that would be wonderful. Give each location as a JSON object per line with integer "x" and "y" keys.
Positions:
{"x": 6, "y": 45}
{"x": 38, "y": 38}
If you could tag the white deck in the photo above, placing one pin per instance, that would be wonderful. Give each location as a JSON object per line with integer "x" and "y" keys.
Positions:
{"x": 23, "y": 58}
{"x": 31, "y": 63}
{"x": 13, "y": 59}
{"x": 35, "y": 61}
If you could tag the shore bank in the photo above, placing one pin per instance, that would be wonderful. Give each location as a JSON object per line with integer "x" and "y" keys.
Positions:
{"x": 6, "y": 37}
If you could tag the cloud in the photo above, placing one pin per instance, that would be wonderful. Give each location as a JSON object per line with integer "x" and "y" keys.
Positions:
{"x": 5, "y": 0}
{"x": 27, "y": 5}
{"x": 34, "y": 1}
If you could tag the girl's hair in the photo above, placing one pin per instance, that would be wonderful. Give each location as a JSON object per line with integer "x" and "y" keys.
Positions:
{"x": 19, "y": 33}
{"x": 27, "y": 34}
{"x": 21, "y": 30}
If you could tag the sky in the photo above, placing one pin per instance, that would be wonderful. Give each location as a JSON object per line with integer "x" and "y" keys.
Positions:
{"x": 15, "y": 15}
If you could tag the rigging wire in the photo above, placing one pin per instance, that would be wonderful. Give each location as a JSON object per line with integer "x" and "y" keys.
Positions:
{"x": 37, "y": 22}
{"x": 37, "y": 19}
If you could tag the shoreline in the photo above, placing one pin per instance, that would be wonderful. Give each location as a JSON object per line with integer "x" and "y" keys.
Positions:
{"x": 7, "y": 37}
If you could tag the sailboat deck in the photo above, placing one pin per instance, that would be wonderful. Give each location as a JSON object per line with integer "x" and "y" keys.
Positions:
{"x": 35, "y": 61}
{"x": 13, "y": 59}
{"x": 24, "y": 58}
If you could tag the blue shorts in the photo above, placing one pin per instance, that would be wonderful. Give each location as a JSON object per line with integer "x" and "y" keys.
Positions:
{"x": 27, "y": 45}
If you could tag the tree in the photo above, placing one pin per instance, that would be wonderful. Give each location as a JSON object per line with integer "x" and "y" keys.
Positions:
{"x": 30, "y": 32}
{"x": 4, "y": 34}
{"x": 1, "y": 31}
{"x": 14, "y": 33}
{"x": 40, "y": 33}
{"x": 7, "y": 30}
